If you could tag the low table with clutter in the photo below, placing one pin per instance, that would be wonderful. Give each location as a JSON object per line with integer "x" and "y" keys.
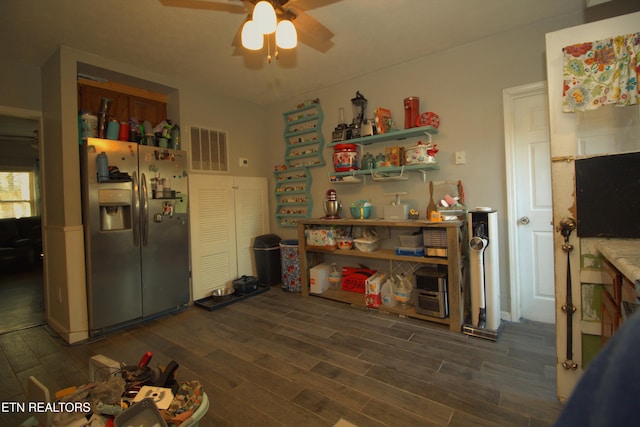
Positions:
{"x": 121, "y": 396}
{"x": 413, "y": 268}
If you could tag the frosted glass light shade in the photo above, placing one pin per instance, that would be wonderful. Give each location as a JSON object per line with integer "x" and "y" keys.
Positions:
{"x": 286, "y": 35}
{"x": 265, "y": 17}
{"x": 252, "y": 38}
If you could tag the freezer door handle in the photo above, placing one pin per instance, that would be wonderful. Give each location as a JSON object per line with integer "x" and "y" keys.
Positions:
{"x": 136, "y": 209}
{"x": 145, "y": 210}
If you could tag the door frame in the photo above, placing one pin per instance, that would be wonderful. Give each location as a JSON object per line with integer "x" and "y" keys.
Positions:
{"x": 36, "y": 115}
{"x": 509, "y": 95}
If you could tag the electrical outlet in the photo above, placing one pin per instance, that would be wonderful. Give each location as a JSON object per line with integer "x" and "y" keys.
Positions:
{"x": 461, "y": 158}
{"x": 244, "y": 162}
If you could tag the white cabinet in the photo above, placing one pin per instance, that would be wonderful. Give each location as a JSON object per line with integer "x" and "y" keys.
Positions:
{"x": 227, "y": 213}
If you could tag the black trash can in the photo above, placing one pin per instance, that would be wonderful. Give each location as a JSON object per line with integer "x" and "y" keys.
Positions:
{"x": 266, "y": 250}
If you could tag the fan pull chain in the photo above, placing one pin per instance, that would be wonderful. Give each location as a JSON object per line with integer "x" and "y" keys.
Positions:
{"x": 275, "y": 52}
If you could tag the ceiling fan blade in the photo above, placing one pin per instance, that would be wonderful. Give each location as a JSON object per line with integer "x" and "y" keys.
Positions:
{"x": 237, "y": 39}
{"x": 205, "y": 5}
{"x": 311, "y": 32}
{"x": 310, "y": 4}
{"x": 314, "y": 43}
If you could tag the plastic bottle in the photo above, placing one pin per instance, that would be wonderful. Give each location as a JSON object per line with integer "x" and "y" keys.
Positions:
{"x": 387, "y": 293}
{"x": 103, "y": 167}
{"x": 335, "y": 277}
{"x": 402, "y": 291}
{"x": 175, "y": 138}
{"x": 89, "y": 126}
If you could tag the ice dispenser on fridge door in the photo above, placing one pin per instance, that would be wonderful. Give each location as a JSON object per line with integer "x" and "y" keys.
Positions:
{"x": 115, "y": 209}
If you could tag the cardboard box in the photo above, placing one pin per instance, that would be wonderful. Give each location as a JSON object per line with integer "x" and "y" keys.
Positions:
{"x": 354, "y": 278}
{"x": 373, "y": 286}
{"x": 319, "y": 278}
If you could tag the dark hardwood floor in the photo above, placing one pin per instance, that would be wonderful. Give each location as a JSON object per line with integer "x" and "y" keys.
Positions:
{"x": 280, "y": 359}
{"x": 21, "y": 299}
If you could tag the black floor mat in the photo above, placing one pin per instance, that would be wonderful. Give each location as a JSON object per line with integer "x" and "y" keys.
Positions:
{"x": 213, "y": 303}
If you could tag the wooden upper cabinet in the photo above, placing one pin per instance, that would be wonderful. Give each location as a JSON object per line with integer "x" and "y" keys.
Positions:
{"x": 89, "y": 98}
{"x": 147, "y": 109}
{"x": 126, "y": 101}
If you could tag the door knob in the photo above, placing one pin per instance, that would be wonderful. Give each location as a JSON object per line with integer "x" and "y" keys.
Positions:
{"x": 524, "y": 220}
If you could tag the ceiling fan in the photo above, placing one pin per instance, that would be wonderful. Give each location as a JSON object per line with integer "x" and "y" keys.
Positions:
{"x": 310, "y": 32}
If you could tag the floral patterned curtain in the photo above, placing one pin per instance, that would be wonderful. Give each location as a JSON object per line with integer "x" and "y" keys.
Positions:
{"x": 602, "y": 72}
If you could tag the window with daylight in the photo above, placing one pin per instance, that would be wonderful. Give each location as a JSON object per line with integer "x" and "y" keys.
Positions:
{"x": 209, "y": 151}
{"x": 17, "y": 194}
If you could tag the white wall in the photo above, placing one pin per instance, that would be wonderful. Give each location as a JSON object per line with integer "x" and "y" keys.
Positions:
{"x": 464, "y": 87}
{"x": 21, "y": 86}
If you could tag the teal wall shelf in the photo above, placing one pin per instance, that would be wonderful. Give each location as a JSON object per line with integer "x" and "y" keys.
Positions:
{"x": 389, "y": 136}
{"x": 304, "y": 145}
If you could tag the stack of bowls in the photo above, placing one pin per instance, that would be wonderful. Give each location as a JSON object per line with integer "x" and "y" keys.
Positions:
{"x": 360, "y": 209}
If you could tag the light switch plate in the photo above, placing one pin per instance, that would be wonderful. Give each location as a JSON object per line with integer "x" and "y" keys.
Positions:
{"x": 461, "y": 158}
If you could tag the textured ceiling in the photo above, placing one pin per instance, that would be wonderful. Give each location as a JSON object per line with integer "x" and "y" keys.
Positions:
{"x": 370, "y": 35}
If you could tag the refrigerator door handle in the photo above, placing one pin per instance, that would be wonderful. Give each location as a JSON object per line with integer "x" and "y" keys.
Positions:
{"x": 145, "y": 210}
{"x": 136, "y": 209}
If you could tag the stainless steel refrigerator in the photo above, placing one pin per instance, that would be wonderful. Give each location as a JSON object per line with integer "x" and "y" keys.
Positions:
{"x": 136, "y": 232}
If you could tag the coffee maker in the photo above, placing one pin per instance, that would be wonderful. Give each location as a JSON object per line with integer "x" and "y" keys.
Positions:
{"x": 332, "y": 205}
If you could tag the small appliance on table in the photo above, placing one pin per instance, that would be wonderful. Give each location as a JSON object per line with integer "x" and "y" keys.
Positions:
{"x": 332, "y": 205}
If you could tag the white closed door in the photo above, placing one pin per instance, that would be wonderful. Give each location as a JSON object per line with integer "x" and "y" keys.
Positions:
{"x": 213, "y": 233}
{"x": 531, "y": 214}
{"x": 251, "y": 201}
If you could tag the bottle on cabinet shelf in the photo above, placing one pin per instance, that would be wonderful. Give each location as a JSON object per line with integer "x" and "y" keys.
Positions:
{"x": 103, "y": 167}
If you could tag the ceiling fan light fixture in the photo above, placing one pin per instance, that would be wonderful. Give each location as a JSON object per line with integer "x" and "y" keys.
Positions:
{"x": 265, "y": 16}
{"x": 252, "y": 38}
{"x": 286, "y": 35}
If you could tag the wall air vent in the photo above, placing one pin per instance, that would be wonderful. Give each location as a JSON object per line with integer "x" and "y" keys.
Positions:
{"x": 209, "y": 150}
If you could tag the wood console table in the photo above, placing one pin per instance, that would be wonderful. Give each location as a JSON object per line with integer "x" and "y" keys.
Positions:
{"x": 456, "y": 232}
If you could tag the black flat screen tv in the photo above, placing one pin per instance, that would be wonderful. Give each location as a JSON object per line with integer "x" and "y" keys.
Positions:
{"x": 608, "y": 196}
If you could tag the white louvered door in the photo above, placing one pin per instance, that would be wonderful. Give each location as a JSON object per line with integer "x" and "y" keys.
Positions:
{"x": 226, "y": 215}
{"x": 252, "y": 219}
{"x": 213, "y": 238}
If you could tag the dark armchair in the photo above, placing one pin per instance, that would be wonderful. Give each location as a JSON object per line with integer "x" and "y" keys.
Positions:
{"x": 17, "y": 249}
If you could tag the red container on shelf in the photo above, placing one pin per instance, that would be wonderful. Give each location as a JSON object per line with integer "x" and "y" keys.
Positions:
{"x": 123, "y": 131}
{"x": 411, "y": 111}
{"x": 354, "y": 278}
{"x": 345, "y": 157}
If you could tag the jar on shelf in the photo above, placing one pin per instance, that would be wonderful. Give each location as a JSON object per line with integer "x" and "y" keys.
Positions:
{"x": 345, "y": 157}
{"x": 368, "y": 162}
